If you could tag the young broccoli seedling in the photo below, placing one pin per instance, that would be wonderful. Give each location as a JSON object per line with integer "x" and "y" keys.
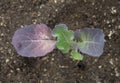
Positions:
{"x": 38, "y": 40}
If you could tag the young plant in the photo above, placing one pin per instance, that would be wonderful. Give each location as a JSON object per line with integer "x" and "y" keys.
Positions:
{"x": 38, "y": 40}
{"x": 65, "y": 41}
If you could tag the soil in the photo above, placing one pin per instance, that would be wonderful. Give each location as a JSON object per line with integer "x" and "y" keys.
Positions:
{"x": 57, "y": 67}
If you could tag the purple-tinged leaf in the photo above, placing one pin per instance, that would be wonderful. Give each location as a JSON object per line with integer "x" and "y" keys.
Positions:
{"x": 33, "y": 40}
{"x": 90, "y": 41}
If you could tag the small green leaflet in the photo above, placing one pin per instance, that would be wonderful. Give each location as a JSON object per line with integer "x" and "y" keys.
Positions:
{"x": 75, "y": 55}
{"x": 64, "y": 37}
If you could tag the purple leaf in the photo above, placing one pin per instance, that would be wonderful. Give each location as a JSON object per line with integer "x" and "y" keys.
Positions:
{"x": 90, "y": 41}
{"x": 33, "y": 40}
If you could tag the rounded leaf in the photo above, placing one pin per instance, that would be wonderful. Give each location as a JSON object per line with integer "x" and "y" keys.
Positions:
{"x": 90, "y": 41}
{"x": 33, "y": 40}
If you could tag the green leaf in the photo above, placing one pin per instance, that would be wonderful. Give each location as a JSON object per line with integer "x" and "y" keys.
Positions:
{"x": 64, "y": 37}
{"x": 75, "y": 55}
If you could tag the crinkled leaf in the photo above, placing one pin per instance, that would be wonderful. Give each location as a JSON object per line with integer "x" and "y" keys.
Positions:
{"x": 64, "y": 37}
{"x": 33, "y": 40}
{"x": 90, "y": 41}
{"x": 75, "y": 55}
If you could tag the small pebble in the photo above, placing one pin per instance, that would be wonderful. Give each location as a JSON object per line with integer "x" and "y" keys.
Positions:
{"x": 41, "y": 6}
{"x": 105, "y": 14}
{"x": 56, "y": 10}
{"x": 116, "y": 72}
{"x": 100, "y": 67}
{"x": 45, "y": 70}
{"x": 18, "y": 69}
{"x": 118, "y": 26}
{"x": 62, "y": 66}
{"x": 113, "y": 10}
{"x": 107, "y": 21}
{"x": 62, "y": 1}
{"x": 11, "y": 71}
{"x": 1, "y": 23}
{"x": 55, "y": 1}
{"x": 1, "y": 34}
{"x": 41, "y": 81}
{"x": 7, "y": 60}
{"x": 113, "y": 20}
{"x": 52, "y": 59}
{"x": 111, "y": 61}
{"x": 85, "y": 1}
{"x": 110, "y": 34}
{"x": 45, "y": 58}
{"x": 110, "y": 46}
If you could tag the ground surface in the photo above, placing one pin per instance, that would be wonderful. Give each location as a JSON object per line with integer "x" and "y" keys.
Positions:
{"x": 57, "y": 67}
